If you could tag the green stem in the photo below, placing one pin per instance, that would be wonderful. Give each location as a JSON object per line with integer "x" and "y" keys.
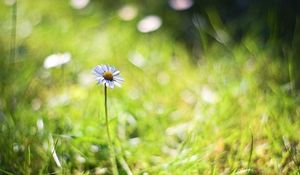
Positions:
{"x": 13, "y": 32}
{"x": 111, "y": 148}
{"x": 12, "y": 61}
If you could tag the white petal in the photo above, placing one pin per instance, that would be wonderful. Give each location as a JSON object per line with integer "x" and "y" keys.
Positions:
{"x": 106, "y": 67}
{"x": 113, "y": 69}
{"x": 99, "y": 78}
{"x": 115, "y": 73}
{"x": 111, "y": 84}
{"x": 117, "y": 83}
{"x": 103, "y": 67}
{"x": 96, "y": 73}
{"x": 100, "y": 81}
{"x": 106, "y": 82}
{"x": 118, "y": 78}
{"x": 98, "y": 69}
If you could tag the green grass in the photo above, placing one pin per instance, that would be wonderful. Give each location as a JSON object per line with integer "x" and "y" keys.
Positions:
{"x": 233, "y": 111}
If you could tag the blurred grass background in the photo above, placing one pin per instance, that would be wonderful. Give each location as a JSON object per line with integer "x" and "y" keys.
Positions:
{"x": 213, "y": 90}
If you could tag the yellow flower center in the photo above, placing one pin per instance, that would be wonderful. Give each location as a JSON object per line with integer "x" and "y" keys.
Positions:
{"x": 108, "y": 76}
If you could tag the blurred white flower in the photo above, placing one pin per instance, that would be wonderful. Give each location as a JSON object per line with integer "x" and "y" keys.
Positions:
{"x": 208, "y": 95}
{"x": 16, "y": 147}
{"x": 128, "y": 12}
{"x": 79, "y": 4}
{"x": 149, "y": 24}
{"x": 80, "y": 159}
{"x": 58, "y": 59}
{"x": 40, "y": 124}
{"x": 134, "y": 141}
{"x": 99, "y": 170}
{"x": 137, "y": 59}
{"x": 94, "y": 148}
{"x": 181, "y": 4}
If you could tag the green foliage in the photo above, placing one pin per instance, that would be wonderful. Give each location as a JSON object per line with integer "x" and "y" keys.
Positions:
{"x": 234, "y": 111}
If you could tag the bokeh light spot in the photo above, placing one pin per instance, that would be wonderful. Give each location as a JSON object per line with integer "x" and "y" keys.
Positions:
{"x": 149, "y": 24}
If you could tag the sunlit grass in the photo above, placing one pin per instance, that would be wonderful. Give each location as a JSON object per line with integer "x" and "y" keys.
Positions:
{"x": 173, "y": 115}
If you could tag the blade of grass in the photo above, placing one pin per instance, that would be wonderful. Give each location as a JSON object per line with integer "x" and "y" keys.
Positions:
{"x": 13, "y": 54}
{"x": 6, "y": 172}
{"x": 250, "y": 155}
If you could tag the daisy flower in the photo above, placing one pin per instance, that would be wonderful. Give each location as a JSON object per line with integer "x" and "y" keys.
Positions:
{"x": 108, "y": 75}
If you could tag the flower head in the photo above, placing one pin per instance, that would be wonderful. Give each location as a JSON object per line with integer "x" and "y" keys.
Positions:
{"x": 108, "y": 75}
